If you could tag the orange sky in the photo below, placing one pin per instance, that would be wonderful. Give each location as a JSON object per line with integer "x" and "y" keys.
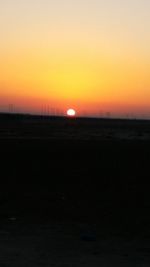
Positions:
{"x": 88, "y": 55}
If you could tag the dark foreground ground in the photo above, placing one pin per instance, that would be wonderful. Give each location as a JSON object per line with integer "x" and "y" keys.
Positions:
{"x": 74, "y": 192}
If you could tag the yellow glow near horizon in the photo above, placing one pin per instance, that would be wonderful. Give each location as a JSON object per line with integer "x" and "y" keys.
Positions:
{"x": 93, "y": 55}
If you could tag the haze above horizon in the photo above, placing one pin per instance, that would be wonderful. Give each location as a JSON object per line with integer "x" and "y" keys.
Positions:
{"x": 89, "y": 55}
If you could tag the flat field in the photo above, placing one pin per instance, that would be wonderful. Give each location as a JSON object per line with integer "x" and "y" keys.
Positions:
{"x": 74, "y": 192}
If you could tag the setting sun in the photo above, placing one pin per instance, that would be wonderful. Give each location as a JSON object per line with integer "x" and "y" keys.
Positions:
{"x": 71, "y": 112}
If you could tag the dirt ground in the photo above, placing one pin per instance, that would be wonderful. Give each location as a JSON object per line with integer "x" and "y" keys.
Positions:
{"x": 74, "y": 193}
{"x": 29, "y": 242}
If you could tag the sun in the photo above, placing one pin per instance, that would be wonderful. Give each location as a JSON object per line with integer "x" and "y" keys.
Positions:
{"x": 71, "y": 112}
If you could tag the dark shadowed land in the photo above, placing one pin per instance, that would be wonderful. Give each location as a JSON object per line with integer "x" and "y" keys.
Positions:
{"x": 74, "y": 192}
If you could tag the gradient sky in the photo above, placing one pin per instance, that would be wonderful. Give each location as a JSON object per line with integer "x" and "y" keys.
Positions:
{"x": 92, "y": 55}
